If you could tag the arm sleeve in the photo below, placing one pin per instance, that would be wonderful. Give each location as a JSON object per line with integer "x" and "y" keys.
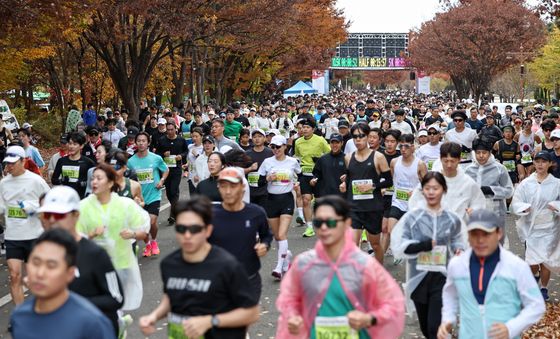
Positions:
{"x": 57, "y": 171}
{"x": 111, "y": 296}
{"x": 388, "y": 182}
{"x": 416, "y": 248}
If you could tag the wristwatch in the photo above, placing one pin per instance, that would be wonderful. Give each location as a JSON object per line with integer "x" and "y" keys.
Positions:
{"x": 373, "y": 321}
{"x": 215, "y": 321}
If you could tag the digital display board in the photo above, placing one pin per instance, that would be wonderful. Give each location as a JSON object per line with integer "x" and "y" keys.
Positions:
{"x": 372, "y": 51}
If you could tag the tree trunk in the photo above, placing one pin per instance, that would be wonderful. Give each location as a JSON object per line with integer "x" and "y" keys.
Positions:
{"x": 460, "y": 86}
{"x": 179, "y": 75}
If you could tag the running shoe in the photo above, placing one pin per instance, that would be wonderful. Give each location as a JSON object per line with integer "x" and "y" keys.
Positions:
{"x": 147, "y": 250}
{"x": 287, "y": 262}
{"x": 397, "y": 262}
{"x": 124, "y": 322}
{"x": 155, "y": 248}
{"x": 309, "y": 232}
{"x": 364, "y": 236}
{"x": 544, "y": 292}
{"x": 277, "y": 275}
{"x": 300, "y": 222}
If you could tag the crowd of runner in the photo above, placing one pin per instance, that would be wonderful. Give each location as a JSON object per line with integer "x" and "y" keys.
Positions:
{"x": 424, "y": 180}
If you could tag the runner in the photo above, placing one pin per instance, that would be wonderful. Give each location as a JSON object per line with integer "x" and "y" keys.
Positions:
{"x": 507, "y": 153}
{"x": 390, "y": 151}
{"x": 374, "y": 139}
{"x": 321, "y": 298}
{"x": 62, "y": 152}
{"x": 125, "y": 187}
{"x": 205, "y": 289}
{"x": 537, "y": 201}
{"x": 185, "y": 127}
{"x": 427, "y": 238}
{"x": 527, "y": 141}
{"x": 407, "y": 172}
{"x": 200, "y": 170}
{"x": 490, "y": 132}
{"x": 329, "y": 168}
{"x": 231, "y": 126}
{"x": 258, "y": 154}
{"x": 151, "y": 172}
{"x": 53, "y": 311}
{"x": 24, "y": 136}
{"x": 96, "y": 278}
{"x": 308, "y": 149}
{"x": 461, "y": 135}
{"x": 429, "y": 153}
{"x": 174, "y": 151}
{"x": 20, "y": 190}
{"x": 489, "y": 278}
{"x": 368, "y": 173}
{"x": 279, "y": 173}
{"x": 217, "y": 132}
{"x": 113, "y": 134}
{"x": 72, "y": 169}
{"x": 400, "y": 124}
{"x": 209, "y": 186}
{"x": 6, "y": 137}
{"x": 236, "y": 220}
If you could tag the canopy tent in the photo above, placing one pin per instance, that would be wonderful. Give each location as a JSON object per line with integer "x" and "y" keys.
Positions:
{"x": 300, "y": 88}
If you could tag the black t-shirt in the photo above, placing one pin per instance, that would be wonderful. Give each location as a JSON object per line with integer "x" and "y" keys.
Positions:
{"x": 209, "y": 188}
{"x": 242, "y": 227}
{"x": 177, "y": 146}
{"x": 216, "y": 285}
{"x": 204, "y": 126}
{"x": 259, "y": 157}
{"x": 72, "y": 173}
{"x": 432, "y": 120}
{"x": 96, "y": 280}
{"x": 243, "y": 121}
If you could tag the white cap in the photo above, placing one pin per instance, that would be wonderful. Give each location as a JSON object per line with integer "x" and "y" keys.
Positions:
{"x": 26, "y": 125}
{"x": 423, "y": 133}
{"x": 60, "y": 199}
{"x": 273, "y": 131}
{"x": 434, "y": 126}
{"x": 278, "y": 140}
{"x": 554, "y": 134}
{"x": 161, "y": 121}
{"x": 258, "y": 130}
{"x": 14, "y": 153}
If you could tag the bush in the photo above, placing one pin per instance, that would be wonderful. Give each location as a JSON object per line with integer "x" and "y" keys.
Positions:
{"x": 48, "y": 126}
{"x": 20, "y": 114}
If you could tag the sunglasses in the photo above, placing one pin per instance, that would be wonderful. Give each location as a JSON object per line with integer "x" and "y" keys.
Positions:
{"x": 55, "y": 216}
{"x": 192, "y": 229}
{"x": 358, "y": 136}
{"x": 275, "y": 146}
{"x": 433, "y": 133}
{"x": 405, "y": 146}
{"x": 331, "y": 223}
{"x": 547, "y": 130}
{"x": 518, "y": 122}
{"x": 458, "y": 120}
{"x": 117, "y": 167}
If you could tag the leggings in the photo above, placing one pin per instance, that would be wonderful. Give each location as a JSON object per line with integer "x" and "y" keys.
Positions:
{"x": 172, "y": 186}
{"x": 428, "y": 303}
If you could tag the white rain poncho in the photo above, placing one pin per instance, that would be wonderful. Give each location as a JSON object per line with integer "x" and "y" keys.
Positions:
{"x": 540, "y": 227}
{"x": 419, "y": 225}
{"x": 496, "y": 176}
{"x": 462, "y": 193}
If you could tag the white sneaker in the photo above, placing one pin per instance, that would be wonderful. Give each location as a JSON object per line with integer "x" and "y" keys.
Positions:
{"x": 286, "y": 263}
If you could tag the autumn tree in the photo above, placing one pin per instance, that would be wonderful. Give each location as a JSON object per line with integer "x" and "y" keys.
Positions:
{"x": 546, "y": 66}
{"x": 475, "y": 40}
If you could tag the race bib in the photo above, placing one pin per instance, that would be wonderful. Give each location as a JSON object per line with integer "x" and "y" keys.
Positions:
{"x": 16, "y": 212}
{"x": 430, "y": 164}
{"x": 526, "y": 158}
{"x": 170, "y": 161}
{"x": 71, "y": 172}
{"x": 145, "y": 176}
{"x": 307, "y": 171}
{"x": 282, "y": 178}
{"x": 175, "y": 328}
{"x": 389, "y": 190}
{"x": 186, "y": 135}
{"x": 509, "y": 165}
{"x": 434, "y": 260}
{"x": 357, "y": 194}
{"x": 334, "y": 327}
{"x": 465, "y": 156}
{"x": 402, "y": 195}
{"x": 253, "y": 179}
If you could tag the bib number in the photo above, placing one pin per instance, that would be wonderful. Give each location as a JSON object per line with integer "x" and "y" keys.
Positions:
{"x": 282, "y": 179}
{"x": 186, "y": 135}
{"x": 71, "y": 172}
{"x": 16, "y": 213}
{"x": 509, "y": 165}
{"x": 402, "y": 195}
{"x": 434, "y": 260}
{"x": 465, "y": 156}
{"x": 526, "y": 158}
{"x": 175, "y": 328}
{"x": 430, "y": 164}
{"x": 362, "y": 195}
{"x": 253, "y": 179}
{"x": 307, "y": 171}
{"x": 334, "y": 328}
{"x": 145, "y": 176}
{"x": 170, "y": 161}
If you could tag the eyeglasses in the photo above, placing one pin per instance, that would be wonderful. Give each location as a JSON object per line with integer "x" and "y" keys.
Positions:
{"x": 458, "y": 120}
{"x": 331, "y": 222}
{"x": 192, "y": 229}
{"x": 358, "y": 136}
{"x": 405, "y": 146}
{"x": 55, "y": 216}
{"x": 272, "y": 146}
{"x": 433, "y": 133}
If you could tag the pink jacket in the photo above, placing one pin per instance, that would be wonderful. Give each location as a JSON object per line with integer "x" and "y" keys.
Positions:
{"x": 368, "y": 286}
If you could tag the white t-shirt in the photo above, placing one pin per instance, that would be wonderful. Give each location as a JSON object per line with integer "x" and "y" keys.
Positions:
{"x": 401, "y": 126}
{"x": 350, "y": 147}
{"x": 428, "y": 154}
{"x": 22, "y": 223}
{"x": 330, "y": 126}
{"x": 286, "y": 172}
{"x": 465, "y": 138}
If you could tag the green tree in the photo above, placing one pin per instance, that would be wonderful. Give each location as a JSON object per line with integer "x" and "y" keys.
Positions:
{"x": 546, "y": 66}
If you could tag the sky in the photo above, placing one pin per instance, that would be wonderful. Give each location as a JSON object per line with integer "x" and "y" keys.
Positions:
{"x": 387, "y": 16}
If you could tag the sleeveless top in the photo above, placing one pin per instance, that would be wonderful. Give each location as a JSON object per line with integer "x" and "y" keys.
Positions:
{"x": 527, "y": 147}
{"x": 389, "y": 157}
{"x": 363, "y": 172}
{"x": 506, "y": 154}
{"x": 126, "y": 191}
{"x": 544, "y": 148}
{"x": 405, "y": 180}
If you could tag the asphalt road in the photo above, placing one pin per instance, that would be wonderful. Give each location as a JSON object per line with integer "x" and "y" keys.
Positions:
{"x": 266, "y": 326}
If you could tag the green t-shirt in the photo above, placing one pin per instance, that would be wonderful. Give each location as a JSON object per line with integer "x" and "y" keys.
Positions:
{"x": 307, "y": 149}
{"x": 335, "y": 304}
{"x": 232, "y": 129}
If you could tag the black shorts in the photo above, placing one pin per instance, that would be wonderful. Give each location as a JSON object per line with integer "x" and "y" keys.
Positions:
{"x": 395, "y": 213}
{"x": 18, "y": 249}
{"x": 153, "y": 207}
{"x": 527, "y": 164}
{"x": 279, "y": 204}
{"x": 514, "y": 177}
{"x": 259, "y": 200}
{"x": 306, "y": 188}
{"x": 368, "y": 220}
{"x": 387, "y": 202}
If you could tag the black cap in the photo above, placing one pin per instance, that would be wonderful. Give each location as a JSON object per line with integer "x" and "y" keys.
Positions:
{"x": 343, "y": 123}
{"x": 459, "y": 113}
{"x": 308, "y": 122}
{"x": 336, "y": 137}
{"x": 64, "y": 138}
{"x": 543, "y": 155}
{"x": 208, "y": 138}
{"x": 361, "y": 108}
{"x": 132, "y": 131}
